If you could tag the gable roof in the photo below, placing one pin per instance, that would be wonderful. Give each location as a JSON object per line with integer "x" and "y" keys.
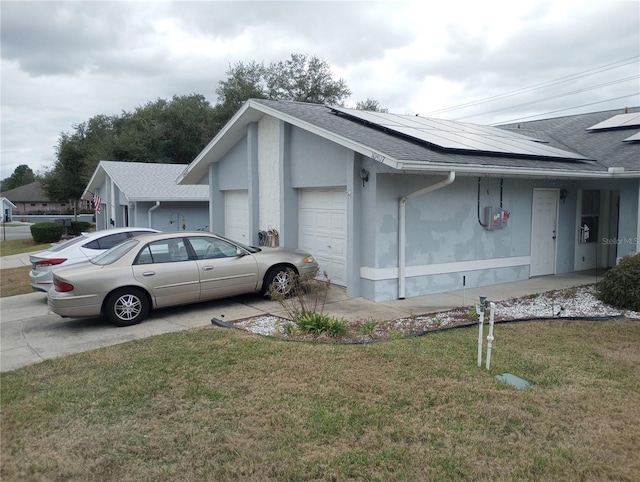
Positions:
{"x": 31, "y": 192}
{"x": 141, "y": 181}
{"x": 6, "y": 202}
{"x": 396, "y": 151}
{"x": 610, "y": 146}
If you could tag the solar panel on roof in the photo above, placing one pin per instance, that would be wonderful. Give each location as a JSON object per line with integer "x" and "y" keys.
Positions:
{"x": 635, "y": 137}
{"x": 460, "y": 136}
{"x": 618, "y": 121}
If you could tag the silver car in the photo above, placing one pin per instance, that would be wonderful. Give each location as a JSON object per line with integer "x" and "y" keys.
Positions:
{"x": 168, "y": 269}
{"x": 75, "y": 250}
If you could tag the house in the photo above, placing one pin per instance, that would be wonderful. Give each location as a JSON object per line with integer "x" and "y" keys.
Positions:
{"x": 397, "y": 206}
{"x": 31, "y": 199}
{"x": 146, "y": 195}
{"x": 7, "y": 210}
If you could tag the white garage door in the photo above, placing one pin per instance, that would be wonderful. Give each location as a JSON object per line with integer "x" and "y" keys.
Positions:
{"x": 323, "y": 230}
{"x": 236, "y": 215}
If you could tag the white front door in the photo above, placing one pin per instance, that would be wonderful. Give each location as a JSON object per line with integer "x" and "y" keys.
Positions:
{"x": 544, "y": 227}
{"x": 323, "y": 230}
{"x": 236, "y": 216}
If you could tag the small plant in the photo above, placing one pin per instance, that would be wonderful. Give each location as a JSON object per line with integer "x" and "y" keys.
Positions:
{"x": 368, "y": 327}
{"x": 290, "y": 328}
{"x": 621, "y": 285}
{"x": 318, "y": 323}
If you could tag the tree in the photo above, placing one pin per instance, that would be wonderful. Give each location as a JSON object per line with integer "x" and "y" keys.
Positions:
{"x": 69, "y": 177}
{"x": 22, "y": 175}
{"x": 371, "y": 105}
{"x": 305, "y": 79}
{"x": 243, "y": 82}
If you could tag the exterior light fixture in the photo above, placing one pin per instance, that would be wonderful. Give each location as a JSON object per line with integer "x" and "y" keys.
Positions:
{"x": 364, "y": 175}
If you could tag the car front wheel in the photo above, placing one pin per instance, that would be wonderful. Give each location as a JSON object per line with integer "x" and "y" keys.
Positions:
{"x": 127, "y": 306}
{"x": 281, "y": 279}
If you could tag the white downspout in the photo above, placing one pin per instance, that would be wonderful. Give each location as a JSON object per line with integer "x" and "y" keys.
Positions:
{"x": 402, "y": 235}
{"x": 153, "y": 208}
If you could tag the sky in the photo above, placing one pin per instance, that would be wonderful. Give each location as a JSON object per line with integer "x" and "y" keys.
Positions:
{"x": 65, "y": 62}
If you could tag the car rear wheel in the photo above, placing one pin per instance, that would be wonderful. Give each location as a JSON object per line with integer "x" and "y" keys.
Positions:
{"x": 281, "y": 280}
{"x": 127, "y": 306}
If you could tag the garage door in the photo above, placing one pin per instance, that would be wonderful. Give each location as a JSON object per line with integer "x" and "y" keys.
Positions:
{"x": 323, "y": 230}
{"x": 236, "y": 215}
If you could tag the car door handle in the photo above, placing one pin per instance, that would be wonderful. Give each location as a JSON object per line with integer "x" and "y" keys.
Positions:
{"x": 148, "y": 273}
{"x": 207, "y": 268}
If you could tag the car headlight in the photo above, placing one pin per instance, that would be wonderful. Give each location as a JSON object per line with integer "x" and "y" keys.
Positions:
{"x": 308, "y": 259}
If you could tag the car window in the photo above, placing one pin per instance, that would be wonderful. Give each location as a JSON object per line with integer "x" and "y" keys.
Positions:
{"x": 66, "y": 244}
{"x": 138, "y": 233}
{"x": 115, "y": 253}
{"x": 107, "y": 242}
{"x": 209, "y": 248}
{"x": 163, "y": 251}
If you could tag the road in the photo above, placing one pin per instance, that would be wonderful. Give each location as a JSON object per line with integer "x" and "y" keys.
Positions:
{"x": 9, "y": 233}
{"x": 30, "y": 333}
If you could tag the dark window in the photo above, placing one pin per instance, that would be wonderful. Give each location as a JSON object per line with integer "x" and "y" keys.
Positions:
{"x": 107, "y": 241}
{"x": 591, "y": 214}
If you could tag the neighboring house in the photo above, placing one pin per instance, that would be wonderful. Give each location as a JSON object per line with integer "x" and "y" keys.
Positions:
{"x": 7, "y": 210}
{"x": 31, "y": 199}
{"x": 146, "y": 195}
{"x": 399, "y": 206}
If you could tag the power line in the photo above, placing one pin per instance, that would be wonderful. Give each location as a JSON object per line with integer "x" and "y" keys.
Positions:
{"x": 560, "y": 80}
{"x": 557, "y": 96}
{"x": 562, "y": 110}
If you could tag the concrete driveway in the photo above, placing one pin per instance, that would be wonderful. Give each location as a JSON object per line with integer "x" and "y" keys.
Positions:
{"x": 30, "y": 333}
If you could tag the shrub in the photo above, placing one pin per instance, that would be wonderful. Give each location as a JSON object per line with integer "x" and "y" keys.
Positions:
{"x": 79, "y": 227}
{"x": 306, "y": 295}
{"x": 621, "y": 285}
{"x": 46, "y": 232}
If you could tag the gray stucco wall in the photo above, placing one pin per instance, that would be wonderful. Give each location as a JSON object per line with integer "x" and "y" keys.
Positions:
{"x": 171, "y": 215}
{"x": 443, "y": 229}
{"x": 316, "y": 162}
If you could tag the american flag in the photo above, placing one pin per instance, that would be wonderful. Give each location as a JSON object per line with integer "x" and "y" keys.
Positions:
{"x": 97, "y": 203}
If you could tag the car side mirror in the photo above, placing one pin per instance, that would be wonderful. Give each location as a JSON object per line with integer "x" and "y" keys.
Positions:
{"x": 240, "y": 252}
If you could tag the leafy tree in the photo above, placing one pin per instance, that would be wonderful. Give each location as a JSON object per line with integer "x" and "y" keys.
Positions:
{"x": 371, "y": 105}
{"x": 22, "y": 175}
{"x": 69, "y": 177}
{"x": 164, "y": 131}
{"x": 305, "y": 79}
{"x": 243, "y": 82}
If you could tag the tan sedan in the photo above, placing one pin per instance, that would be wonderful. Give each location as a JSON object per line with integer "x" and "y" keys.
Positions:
{"x": 168, "y": 269}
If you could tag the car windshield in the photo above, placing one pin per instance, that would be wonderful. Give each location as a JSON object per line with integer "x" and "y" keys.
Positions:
{"x": 115, "y": 253}
{"x": 251, "y": 249}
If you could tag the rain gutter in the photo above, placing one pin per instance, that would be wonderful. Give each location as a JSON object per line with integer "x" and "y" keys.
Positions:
{"x": 402, "y": 226}
{"x": 153, "y": 208}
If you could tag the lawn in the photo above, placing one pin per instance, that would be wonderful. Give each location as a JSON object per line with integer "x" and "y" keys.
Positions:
{"x": 220, "y": 404}
{"x": 15, "y": 281}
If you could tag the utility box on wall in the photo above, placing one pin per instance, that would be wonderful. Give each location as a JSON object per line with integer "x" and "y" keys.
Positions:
{"x": 495, "y": 220}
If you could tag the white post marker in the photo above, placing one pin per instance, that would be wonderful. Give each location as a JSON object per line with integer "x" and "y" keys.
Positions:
{"x": 483, "y": 300}
{"x": 490, "y": 336}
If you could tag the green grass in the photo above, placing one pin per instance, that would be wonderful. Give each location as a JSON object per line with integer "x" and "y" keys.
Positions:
{"x": 217, "y": 404}
{"x": 19, "y": 246}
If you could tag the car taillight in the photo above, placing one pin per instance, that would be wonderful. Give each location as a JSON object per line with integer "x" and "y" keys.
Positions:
{"x": 62, "y": 286}
{"x": 49, "y": 262}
